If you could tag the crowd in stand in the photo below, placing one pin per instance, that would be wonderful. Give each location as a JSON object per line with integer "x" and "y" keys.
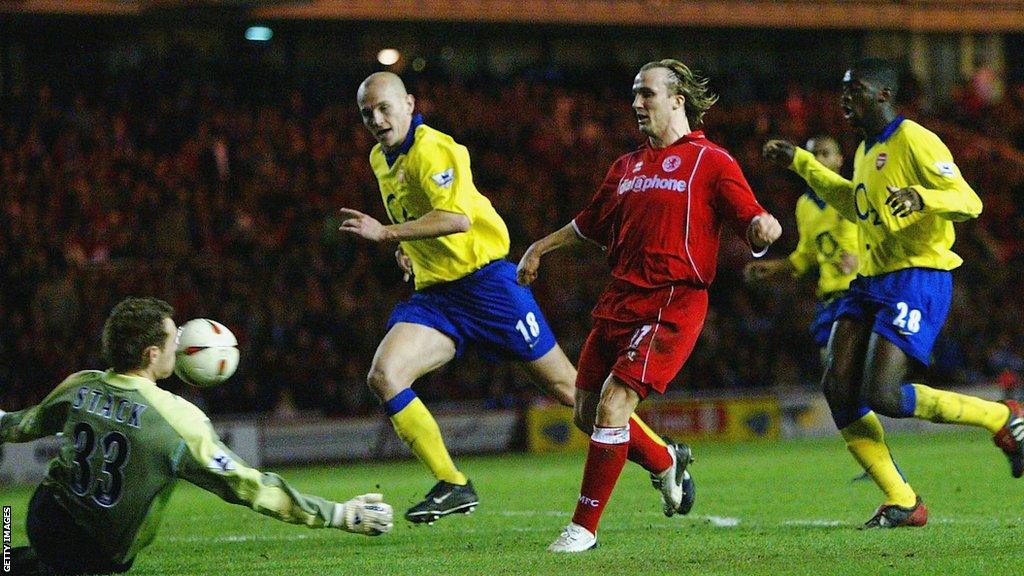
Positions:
{"x": 226, "y": 207}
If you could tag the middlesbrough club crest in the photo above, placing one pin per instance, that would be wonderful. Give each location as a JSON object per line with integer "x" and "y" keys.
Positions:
{"x": 671, "y": 163}
{"x": 880, "y": 160}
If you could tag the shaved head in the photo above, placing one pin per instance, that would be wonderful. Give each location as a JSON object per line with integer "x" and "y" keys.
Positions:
{"x": 386, "y": 108}
{"x": 382, "y": 82}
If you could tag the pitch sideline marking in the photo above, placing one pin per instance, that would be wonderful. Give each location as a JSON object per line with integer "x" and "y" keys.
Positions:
{"x": 716, "y": 521}
{"x": 731, "y": 522}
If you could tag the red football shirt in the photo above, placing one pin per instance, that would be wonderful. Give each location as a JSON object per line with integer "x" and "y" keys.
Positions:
{"x": 659, "y": 213}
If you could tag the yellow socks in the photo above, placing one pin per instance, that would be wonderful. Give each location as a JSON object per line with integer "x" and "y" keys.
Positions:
{"x": 416, "y": 426}
{"x": 866, "y": 441}
{"x": 953, "y": 408}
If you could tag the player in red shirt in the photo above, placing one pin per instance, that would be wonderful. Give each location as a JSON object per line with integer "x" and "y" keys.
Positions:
{"x": 658, "y": 215}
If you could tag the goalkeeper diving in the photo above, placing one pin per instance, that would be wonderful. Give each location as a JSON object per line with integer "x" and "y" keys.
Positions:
{"x": 124, "y": 443}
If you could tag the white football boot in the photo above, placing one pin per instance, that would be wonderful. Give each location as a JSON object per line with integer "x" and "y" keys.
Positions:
{"x": 675, "y": 483}
{"x": 574, "y": 538}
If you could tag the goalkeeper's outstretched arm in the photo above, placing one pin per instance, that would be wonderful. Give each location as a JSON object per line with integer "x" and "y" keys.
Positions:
{"x": 208, "y": 463}
{"x": 44, "y": 419}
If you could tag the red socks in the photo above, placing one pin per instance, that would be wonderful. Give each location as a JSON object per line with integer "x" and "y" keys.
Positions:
{"x": 645, "y": 450}
{"x": 605, "y": 460}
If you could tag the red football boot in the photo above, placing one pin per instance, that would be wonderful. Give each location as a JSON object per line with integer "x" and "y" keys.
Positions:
{"x": 893, "y": 516}
{"x": 1011, "y": 438}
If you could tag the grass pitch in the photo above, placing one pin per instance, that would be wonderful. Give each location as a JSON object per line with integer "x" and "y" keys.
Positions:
{"x": 784, "y": 507}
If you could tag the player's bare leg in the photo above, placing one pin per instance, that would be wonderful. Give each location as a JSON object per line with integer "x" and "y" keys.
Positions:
{"x": 606, "y": 457}
{"x": 860, "y": 427}
{"x": 585, "y": 410}
{"x": 841, "y": 380}
{"x": 889, "y": 393}
{"x": 407, "y": 352}
{"x": 556, "y": 374}
{"x": 823, "y": 355}
{"x": 667, "y": 462}
{"x": 885, "y": 370}
{"x": 646, "y": 448}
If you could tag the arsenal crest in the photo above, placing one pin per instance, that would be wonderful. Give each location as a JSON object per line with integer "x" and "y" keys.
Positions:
{"x": 880, "y": 160}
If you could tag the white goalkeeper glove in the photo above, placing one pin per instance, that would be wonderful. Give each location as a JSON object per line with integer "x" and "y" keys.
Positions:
{"x": 366, "y": 514}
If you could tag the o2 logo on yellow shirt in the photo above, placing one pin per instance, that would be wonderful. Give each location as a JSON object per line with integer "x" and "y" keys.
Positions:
{"x": 827, "y": 244}
{"x": 862, "y": 191}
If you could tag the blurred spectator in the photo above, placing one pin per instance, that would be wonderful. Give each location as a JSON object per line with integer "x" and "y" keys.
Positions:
{"x": 158, "y": 183}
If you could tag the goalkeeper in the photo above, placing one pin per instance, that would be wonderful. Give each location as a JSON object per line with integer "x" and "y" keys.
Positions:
{"x": 125, "y": 441}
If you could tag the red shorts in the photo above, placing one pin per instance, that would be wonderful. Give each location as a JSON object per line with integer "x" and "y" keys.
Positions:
{"x": 645, "y": 354}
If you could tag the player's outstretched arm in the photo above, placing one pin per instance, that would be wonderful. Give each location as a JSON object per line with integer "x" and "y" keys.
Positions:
{"x": 779, "y": 152}
{"x": 365, "y": 514}
{"x": 207, "y": 463}
{"x": 44, "y": 419}
{"x": 12, "y": 429}
{"x": 25, "y": 425}
{"x": 529, "y": 264}
{"x": 832, "y": 187}
{"x": 433, "y": 224}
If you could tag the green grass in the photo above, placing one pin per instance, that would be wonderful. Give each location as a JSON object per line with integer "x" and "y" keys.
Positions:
{"x": 762, "y": 508}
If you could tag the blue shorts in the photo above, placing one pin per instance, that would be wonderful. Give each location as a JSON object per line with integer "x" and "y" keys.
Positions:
{"x": 908, "y": 307}
{"x": 825, "y": 315}
{"x": 487, "y": 309}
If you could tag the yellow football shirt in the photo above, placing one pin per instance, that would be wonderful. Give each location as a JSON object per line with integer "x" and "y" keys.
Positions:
{"x": 434, "y": 174}
{"x": 905, "y": 154}
{"x": 824, "y": 236}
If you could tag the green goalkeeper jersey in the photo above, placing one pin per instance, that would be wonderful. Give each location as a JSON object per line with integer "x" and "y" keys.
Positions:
{"x": 125, "y": 442}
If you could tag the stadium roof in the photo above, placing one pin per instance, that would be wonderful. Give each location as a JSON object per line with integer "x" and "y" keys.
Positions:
{"x": 910, "y": 15}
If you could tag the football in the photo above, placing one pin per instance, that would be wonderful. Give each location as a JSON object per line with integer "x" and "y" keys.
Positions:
{"x": 207, "y": 353}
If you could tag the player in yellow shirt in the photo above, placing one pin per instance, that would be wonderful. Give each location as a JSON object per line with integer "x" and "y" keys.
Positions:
{"x": 454, "y": 243}
{"x": 828, "y": 243}
{"x": 905, "y": 195}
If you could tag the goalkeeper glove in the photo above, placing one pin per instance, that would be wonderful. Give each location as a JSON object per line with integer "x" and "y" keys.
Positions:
{"x": 366, "y": 514}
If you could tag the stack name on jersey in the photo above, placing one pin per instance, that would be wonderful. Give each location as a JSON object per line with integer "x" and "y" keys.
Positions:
{"x": 120, "y": 410}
